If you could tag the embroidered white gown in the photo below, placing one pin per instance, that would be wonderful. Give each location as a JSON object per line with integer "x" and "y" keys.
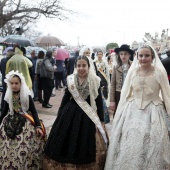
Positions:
{"x": 140, "y": 138}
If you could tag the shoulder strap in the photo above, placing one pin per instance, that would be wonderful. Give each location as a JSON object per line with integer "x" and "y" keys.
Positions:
{"x": 85, "y": 106}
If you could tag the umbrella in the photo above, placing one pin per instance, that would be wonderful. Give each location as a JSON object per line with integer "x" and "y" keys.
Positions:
{"x": 17, "y": 40}
{"x": 49, "y": 41}
{"x": 61, "y": 54}
{"x": 6, "y": 50}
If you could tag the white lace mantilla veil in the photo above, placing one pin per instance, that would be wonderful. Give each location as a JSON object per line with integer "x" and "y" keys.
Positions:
{"x": 83, "y": 49}
{"x": 161, "y": 76}
{"x": 107, "y": 75}
{"x": 24, "y": 92}
{"x": 93, "y": 79}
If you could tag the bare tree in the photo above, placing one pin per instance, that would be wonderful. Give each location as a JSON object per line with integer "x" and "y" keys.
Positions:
{"x": 10, "y": 26}
{"x": 11, "y": 10}
{"x": 32, "y": 33}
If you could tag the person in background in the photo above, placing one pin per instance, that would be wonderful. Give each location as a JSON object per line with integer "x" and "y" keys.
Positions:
{"x": 59, "y": 73}
{"x": 114, "y": 58}
{"x": 166, "y": 64}
{"x": 106, "y": 55}
{"x": 134, "y": 54}
{"x": 30, "y": 68}
{"x": 37, "y": 75}
{"x": 103, "y": 73}
{"x": 93, "y": 56}
{"x": 48, "y": 82}
{"x": 9, "y": 54}
{"x": 71, "y": 63}
{"x": 88, "y": 51}
{"x": 119, "y": 73}
{"x": 34, "y": 81}
{"x": 22, "y": 64}
{"x": 110, "y": 65}
{"x": 53, "y": 63}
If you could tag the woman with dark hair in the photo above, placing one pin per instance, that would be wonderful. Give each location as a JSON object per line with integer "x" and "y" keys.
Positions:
{"x": 119, "y": 73}
{"x": 77, "y": 140}
{"x": 37, "y": 75}
{"x": 48, "y": 81}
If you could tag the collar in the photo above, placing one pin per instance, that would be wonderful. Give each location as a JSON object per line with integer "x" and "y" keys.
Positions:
{"x": 120, "y": 69}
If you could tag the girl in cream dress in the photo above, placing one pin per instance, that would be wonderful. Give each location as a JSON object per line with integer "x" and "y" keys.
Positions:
{"x": 140, "y": 138}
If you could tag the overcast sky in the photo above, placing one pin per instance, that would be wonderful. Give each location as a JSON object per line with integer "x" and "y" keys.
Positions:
{"x": 105, "y": 21}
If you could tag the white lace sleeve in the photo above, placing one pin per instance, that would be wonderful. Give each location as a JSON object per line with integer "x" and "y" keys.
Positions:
{"x": 162, "y": 78}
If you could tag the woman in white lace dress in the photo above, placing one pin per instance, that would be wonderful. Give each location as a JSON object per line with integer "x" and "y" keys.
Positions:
{"x": 140, "y": 138}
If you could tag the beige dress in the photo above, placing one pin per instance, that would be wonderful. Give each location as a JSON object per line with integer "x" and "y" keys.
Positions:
{"x": 140, "y": 138}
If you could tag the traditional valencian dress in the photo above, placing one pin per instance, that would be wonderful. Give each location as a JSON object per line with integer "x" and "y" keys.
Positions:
{"x": 74, "y": 142}
{"x": 20, "y": 147}
{"x": 103, "y": 73}
{"x": 140, "y": 138}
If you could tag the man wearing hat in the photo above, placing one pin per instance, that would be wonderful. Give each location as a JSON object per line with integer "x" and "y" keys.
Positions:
{"x": 119, "y": 73}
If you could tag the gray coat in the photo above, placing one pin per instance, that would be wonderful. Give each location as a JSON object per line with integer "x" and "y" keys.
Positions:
{"x": 49, "y": 67}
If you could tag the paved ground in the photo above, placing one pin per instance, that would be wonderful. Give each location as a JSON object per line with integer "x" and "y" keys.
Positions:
{"x": 49, "y": 115}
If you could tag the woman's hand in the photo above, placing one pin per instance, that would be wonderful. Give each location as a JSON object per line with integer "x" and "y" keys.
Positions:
{"x": 39, "y": 131}
{"x": 112, "y": 106}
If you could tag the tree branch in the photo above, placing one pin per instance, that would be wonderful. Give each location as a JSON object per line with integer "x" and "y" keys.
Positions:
{"x": 19, "y": 10}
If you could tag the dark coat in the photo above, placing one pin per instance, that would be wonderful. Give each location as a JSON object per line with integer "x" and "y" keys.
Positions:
{"x": 72, "y": 137}
{"x": 3, "y": 69}
{"x": 70, "y": 65}
{"x": 60, "y": 65}
{"x": 166, "y": 64}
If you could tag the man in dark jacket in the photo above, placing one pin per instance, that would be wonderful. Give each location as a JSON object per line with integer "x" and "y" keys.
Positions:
{"x": 166, "y": 64}
{"x": 70, "y": 62}
{"x": 10, "y": 53}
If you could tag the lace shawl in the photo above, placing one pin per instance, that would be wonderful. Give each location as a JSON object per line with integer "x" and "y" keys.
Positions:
{"x": 94, "y": 83}
{"x": 83, "y": 88}
{"x": 24, "y": 92}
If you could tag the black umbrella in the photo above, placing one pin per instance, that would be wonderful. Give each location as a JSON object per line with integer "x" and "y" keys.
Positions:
{"x": 17, "y": 40}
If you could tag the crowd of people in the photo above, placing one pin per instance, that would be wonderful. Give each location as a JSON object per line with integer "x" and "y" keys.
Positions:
{"x": 133, "y": 84}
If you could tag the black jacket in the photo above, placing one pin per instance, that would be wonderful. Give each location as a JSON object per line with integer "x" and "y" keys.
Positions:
{"x": 31, "y": 109}
{"x": 166, "y": 64}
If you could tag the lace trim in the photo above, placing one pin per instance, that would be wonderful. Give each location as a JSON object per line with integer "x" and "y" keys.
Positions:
{"x": 83, "y": 88}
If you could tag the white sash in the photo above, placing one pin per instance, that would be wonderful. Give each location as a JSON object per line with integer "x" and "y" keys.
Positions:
{"x": 85, "y": 106}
